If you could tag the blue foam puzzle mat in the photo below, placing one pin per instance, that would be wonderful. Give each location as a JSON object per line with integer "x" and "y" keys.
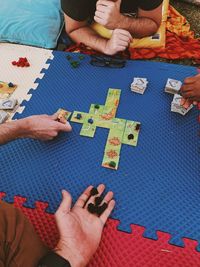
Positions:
{"x": 157, "y": 184}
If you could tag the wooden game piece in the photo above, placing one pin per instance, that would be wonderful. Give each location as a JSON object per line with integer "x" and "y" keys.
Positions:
{"x": 100, "y": 210}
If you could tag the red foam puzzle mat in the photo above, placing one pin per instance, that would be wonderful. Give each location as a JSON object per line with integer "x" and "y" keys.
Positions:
{"x": 118, "y": 248}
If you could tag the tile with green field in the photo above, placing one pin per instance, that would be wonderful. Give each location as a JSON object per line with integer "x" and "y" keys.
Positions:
{"x": 131, "y": 133}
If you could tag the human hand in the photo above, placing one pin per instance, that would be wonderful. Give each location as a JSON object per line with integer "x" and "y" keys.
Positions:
{"x": 43, "y": 127}
{"x": 118, "y": 42}
{"x": 186, "y": 103}
{"x": 191, "y": 88}
{"x": 108, "y": 13}
{"x": 80, "y": 231}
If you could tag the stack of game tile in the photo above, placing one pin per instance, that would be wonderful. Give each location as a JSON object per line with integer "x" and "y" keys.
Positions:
{"x": 173, "y": 86}
{"x": 179, "y": 106}
{"x": 6, "y": 104}
{"x": 139, "y": 85}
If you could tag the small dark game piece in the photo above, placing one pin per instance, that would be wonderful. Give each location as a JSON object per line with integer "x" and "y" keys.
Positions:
{"x": 68, "y": 57}
{"x": 75, "y": 64}
{"x": 90, "y": 121}
{"x": 81, "y": 57}
{"x": 94, "y": 191}
{"x": 112, "y": 164}
{"x": 101, "y": 209}
{"x": 98, "y": 200}
{"x": 130, "y": 137}
{"x": 92, "y": 208}
{"x": 97, "y": 106}
{"x": 78, "y": 116}
{"x": 137, "y": 127}
{"x": 14, "y": 63}
{"x": 11, "y": 85}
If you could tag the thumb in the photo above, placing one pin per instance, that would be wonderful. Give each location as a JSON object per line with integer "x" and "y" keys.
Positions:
{"x": 66, "y": 202}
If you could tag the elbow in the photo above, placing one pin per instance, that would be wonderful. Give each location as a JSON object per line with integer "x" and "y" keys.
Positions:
{"x": 156, "y": 27}
{"x": 157, "y": 23}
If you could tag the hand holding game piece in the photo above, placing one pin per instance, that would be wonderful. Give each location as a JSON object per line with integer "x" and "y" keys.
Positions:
{"x": 80, "y": 230}
{"x": 118, "y": 42}
{"x": 108, "y": 13}
{"x": 43, "y": 127}
{"x": 191, "y": 88}
{"x": 63, "y": 115}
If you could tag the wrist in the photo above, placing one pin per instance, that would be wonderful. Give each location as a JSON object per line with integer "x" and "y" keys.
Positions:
{"x": 107, "y": 50}
{"x": 23, "y": 128}
{"x": 65, "y": 252}
{"x": 120, "y": 22}
{"x": 103, "y": 47}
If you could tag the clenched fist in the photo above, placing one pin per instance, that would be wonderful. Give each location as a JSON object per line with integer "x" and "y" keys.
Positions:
{"x": 119, "y": 41}
{"x": 108, "y": 13}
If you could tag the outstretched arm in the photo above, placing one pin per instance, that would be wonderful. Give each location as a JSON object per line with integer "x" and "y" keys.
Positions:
{"x": 41, "y": 127}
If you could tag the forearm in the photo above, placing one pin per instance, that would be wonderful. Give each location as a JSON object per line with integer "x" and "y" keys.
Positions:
{"x": 138, "y": 27}
{"x": 89, "y": 37}
{"x": 12, "y": 130}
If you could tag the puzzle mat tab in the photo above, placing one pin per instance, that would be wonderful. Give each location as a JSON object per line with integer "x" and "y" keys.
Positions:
{"x": 117, "y": 248}
{"x": 157, "y": 183}
{"x": 23, "y": 77}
